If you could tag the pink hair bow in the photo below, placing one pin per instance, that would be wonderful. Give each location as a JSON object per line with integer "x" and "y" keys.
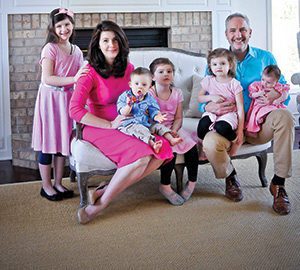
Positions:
{"x": 65, "y": 11}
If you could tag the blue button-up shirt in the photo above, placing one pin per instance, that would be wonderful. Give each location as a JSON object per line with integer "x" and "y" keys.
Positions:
{"x": 250, "y": 69}
{"x": 142, "y": 112}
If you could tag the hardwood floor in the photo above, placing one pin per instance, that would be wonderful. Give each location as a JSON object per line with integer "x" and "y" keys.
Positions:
{"x": 13, "y": 174}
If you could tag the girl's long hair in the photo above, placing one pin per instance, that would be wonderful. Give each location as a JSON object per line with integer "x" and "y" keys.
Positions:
{"x": 54, "y": 18}
{"x": 96, "y": 57}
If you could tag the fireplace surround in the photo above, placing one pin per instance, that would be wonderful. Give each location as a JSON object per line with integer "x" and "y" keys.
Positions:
{"x": 138, "y": 37}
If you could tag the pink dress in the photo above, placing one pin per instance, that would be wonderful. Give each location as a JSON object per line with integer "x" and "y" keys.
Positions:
{"x": 228, "y": 90}
{"x": 101, "y": 95}
{"x": 257, "y": 112}
{"x": 52, "y": 125}
{"x": 169, "y": 107}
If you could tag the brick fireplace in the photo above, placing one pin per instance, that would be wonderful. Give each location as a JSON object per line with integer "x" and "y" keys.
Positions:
{"x": 188, "y": 30}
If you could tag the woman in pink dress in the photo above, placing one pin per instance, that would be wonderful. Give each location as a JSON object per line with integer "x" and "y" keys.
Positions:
{"x": 60, "y": 61}
{"x": 258, "y": 111}
{"x": 170, "y": 101}
{"x": 94, "y": 105}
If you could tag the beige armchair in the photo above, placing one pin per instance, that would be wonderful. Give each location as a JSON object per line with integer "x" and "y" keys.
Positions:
{"x": 296, "y": 80}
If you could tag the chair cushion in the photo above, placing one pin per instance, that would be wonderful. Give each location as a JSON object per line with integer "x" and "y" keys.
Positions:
{"x": 85, "y": 157}
{"x": 190, "y": 124}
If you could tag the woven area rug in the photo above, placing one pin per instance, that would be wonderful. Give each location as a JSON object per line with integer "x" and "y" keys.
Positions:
{"x": 140, "y": 230}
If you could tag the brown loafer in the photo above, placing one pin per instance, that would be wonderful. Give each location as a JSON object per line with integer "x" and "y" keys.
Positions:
{"x": 233, "y": 190}
{"x": 281, "y": 203}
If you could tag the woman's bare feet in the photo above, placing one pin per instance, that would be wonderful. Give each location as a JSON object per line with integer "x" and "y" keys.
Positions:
{"x": 96, "y": 194}
{"x": 170, "y": 195}
{"x": 85, "y": 214}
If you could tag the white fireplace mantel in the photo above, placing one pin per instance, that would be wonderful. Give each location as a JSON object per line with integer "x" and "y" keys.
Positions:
{"x": 257, "y": 10}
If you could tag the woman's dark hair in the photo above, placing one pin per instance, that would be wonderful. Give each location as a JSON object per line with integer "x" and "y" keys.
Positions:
{"x": 221, "y": 52}
{"x": 96, "y": 57}
{"x": 57, "y": 15}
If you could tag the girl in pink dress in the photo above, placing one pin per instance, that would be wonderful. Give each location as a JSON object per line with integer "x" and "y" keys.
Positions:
{"x": 94, "y": 104}
{"x": 170, "y": 101}
{"x": 218, "y": 87}
{"x": 258, "y": 111}
{"x": 60, "y": 64}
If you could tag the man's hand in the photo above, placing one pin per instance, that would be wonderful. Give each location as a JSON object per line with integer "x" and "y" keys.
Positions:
{"x": 270, "y": 95}
{"x": 217, "y": 99}
{"x": 220, "y": 108}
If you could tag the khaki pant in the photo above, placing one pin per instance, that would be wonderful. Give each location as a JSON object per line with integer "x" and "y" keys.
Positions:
{"x": 278, "y": 126}
{"x": 143, "y": 133}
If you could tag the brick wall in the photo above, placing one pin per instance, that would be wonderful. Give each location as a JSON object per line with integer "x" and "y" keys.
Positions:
{"x": 189, "y": 30}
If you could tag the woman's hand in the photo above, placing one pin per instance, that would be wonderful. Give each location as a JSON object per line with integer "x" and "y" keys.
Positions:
{"x": 115, "y": 123}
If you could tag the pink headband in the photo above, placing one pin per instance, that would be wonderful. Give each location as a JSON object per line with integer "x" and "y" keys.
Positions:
{"x": 65, "y": 11}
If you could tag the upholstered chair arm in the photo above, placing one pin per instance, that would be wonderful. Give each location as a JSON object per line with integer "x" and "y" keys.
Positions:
{"x": 79, "y": 128}
{"x": 296, "y": 78}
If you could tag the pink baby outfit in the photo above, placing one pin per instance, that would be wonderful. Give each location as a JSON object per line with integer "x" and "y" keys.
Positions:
{"x": 101, "y": 95}
{"x": 169, "y": 108}
{"x": 257, "y": 112}
{"x": 227, "y": 90}
{"x": 52, "y": 125}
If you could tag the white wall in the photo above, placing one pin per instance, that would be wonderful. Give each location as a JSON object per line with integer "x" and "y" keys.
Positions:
{"x": 260, "y": 18}
{"x": 255, "y": 9}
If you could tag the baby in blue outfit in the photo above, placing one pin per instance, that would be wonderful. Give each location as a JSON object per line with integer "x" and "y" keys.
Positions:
{"x": 143, "y": 116}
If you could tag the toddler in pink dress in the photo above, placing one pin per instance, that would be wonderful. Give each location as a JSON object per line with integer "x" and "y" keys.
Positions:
{"x": 218, "y": 87}
{"x": 257, "y": 111}
{"x": 170, "y": 101}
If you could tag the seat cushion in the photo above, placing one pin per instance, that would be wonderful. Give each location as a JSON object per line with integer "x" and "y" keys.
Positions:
{"x": 85, "y": 157}
{"x": 191, "y": 124}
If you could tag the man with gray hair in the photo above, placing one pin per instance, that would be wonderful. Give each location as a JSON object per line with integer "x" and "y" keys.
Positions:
{"x": 278, "y": 126}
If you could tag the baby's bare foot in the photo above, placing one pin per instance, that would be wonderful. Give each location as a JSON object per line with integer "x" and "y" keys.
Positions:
{"x": 157, "y": 146}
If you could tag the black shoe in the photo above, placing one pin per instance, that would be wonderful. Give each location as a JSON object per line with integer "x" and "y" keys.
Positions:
{"x": 66, "y": 194}
{"x": 54, "y": 197}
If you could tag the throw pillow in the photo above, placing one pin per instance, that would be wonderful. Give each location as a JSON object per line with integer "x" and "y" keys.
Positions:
{"x": 192, "y": 110}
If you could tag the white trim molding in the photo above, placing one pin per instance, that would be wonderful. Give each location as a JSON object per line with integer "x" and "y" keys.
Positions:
{"x": 5, "y": 123}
